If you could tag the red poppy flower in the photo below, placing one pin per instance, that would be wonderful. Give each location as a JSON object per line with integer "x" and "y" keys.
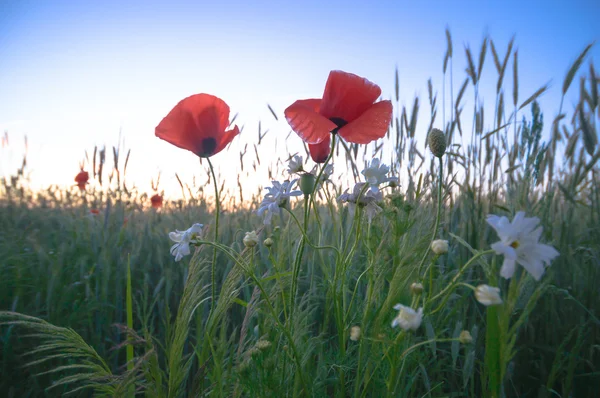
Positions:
{"x": 348, "y": 108}
{"x": 157, "y": 201}
{"x": 81, "y": 179}
{"x": 197, "y": 123}
{"x": 94, "y": 211}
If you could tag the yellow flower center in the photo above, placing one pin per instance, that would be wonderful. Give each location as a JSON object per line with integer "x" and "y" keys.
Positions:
{"x": 515, "y": 244}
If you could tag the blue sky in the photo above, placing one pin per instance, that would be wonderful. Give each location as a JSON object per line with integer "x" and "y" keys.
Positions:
{"x": 75, "y": 73}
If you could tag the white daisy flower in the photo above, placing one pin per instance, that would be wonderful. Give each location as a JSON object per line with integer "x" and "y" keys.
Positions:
{"x": 183, "y": 239}
{"x": 375, "y": 174}
{"x": 278, "y": 196}
{"x": 519, "y": 243}
{"x": 295, "y": 165}
{"x": 407, "y": 319}
{"x": 368, "y": 200}
{"x": 488, "y": 295}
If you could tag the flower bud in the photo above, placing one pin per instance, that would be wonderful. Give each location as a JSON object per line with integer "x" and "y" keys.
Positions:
{"x": 251, "y": 239}
{"x": 488, "y": 295}
{"x": 416, "y": 288}
{"x": 307, "y": 183}
{"x": 465, "y": 337}
{"x": 437, "y": 142}
{"x": 268, "y": 242}
{"x": 355, "y": 333}
{"x": 263, "y": 345}
{"x": 439, "y": 246}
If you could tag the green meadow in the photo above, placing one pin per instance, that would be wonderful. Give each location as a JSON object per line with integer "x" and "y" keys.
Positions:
{"x": 93, "y": 303}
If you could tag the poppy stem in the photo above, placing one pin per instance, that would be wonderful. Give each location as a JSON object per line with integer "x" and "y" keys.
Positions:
{"x": 213, "y": 286}
{"x": 300, "y": 251}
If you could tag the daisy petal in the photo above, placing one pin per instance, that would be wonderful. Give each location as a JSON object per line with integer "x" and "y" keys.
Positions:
{"x": 175, "y": 236}
{"x": 502, "y": 248}
{"x": 508, "y": 268}
{"x": 534, "y": 266}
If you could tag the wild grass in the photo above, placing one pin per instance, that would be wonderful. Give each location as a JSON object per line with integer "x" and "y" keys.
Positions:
{"x": 94, "y": 304}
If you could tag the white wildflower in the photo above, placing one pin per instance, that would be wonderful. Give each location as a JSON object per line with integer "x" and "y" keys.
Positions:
{"x": 327, "y": 172}
{"x": 375, "y": 173}
{"x": 519, "y": 243}
{"x": 278, "y": 196}
{"x": 439, "y": 246}
{"x": 488, "y": 295}
{"x": 183, "y": 239}
{"x": 407, "y": 319}
{"x": 367, "y": 200}
{"x": 295, "y": 165}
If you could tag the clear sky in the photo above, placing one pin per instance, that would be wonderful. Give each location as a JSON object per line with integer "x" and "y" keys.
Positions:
{"x": 75, "y": 73}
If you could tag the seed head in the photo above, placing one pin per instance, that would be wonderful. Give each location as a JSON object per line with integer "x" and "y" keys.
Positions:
{"x": 307, "y": 183}
{"x": 437, "y": 142}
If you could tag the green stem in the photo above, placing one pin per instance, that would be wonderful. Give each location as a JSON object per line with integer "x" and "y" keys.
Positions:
{"x": 299, "y": 253}
{"x": 213, "y": 285}
{"x": 393, "y": 380}
{"x": 234, "y": 256}
{"x": 437, "y": 217}
{"x": 337, "y": 252}
{"x": 370, "y": 288}
{"x": 452, "y": 283}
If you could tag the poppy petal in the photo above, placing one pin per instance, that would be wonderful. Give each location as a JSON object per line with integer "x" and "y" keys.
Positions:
{"x": 320, "y": 152}
{"x": 304, "y": 118}
{"x": 226, "y": 138}
{"x": 371, "y": 125}
{"x": 196, "y": 124}
{"x": 347, "y": 96}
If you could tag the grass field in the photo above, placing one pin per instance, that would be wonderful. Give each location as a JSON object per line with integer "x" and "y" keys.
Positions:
{"x": 95, "y": 303}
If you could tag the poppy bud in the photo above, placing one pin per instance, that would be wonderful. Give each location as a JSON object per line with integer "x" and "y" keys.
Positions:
{"x": 437, "y": 142}
{"x": 268, "y": 242}
{"x": 307, "y": 183}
